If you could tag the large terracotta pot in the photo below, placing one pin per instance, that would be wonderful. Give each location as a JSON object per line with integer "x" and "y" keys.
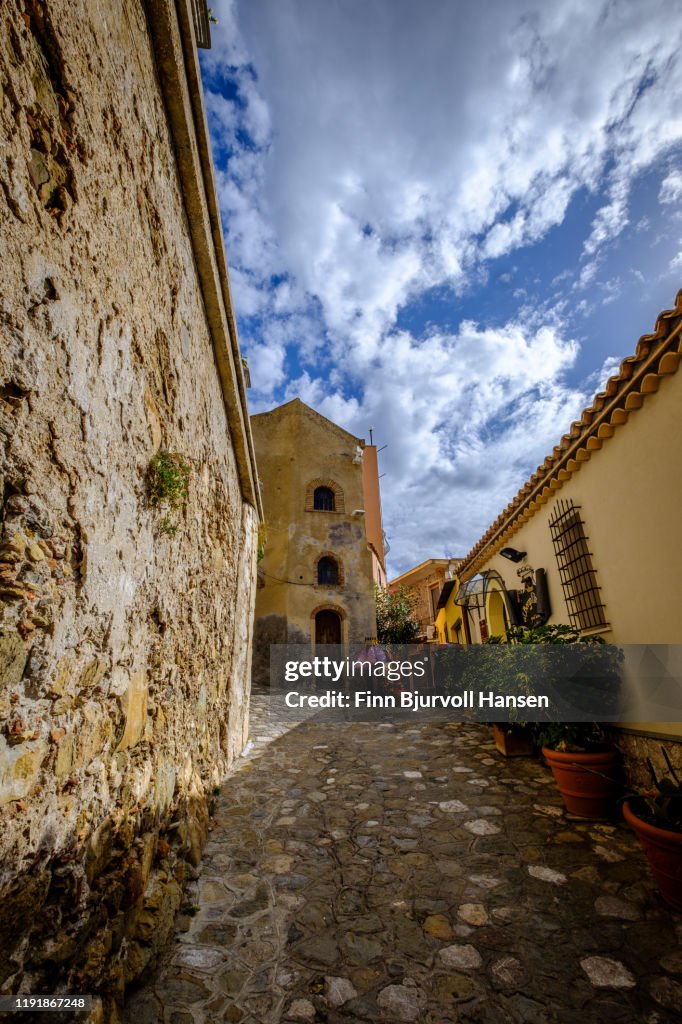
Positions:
{"x": 588, "y": 782}
{"x": 664, "y": 853}
{"x": 516, "y": 742}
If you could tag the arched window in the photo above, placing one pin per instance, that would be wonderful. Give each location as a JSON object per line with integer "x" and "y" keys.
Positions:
{"x": 327, "y": 572}
{"x": 323, "y": 500}
{"x": 324, "y": 495}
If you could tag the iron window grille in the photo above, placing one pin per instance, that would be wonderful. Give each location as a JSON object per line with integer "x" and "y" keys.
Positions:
{"x": 576, "y": 569}
{"x": 324, "y": 499}
{"x": 327, "y": 572}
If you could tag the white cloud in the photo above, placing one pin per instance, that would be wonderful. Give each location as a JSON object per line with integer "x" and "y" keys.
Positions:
{"x": 610, "y": 220}
{"x": 466, "y": 417}
{"x": 671, "y": 188}
{"x": 266, "y": 365}
{"x": 391, "y": 152}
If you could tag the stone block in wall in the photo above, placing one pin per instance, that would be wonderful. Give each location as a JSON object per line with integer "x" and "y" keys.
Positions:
{"x": 13, "y": 658}
{"x": 134, "y": 706}
{"x": 20, "y": 768}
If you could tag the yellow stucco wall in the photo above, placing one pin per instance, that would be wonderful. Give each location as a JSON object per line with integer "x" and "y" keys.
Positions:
{"x": 449, "y": 616}
{"x": 296, "y": 447}
{"x": 630, "y": 497}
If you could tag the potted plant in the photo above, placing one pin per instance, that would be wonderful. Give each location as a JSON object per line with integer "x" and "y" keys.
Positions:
{"x": 586, "y": 768}
{"x": 514, "y": 739}
{"x": 656, "y": 819}
{"x": 584, "y": 765}
{"x": 464, "y": 668}
{"x": 503, "y": 670}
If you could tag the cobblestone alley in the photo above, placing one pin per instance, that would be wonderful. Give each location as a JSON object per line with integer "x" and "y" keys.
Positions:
{"x": 409, "y": 873}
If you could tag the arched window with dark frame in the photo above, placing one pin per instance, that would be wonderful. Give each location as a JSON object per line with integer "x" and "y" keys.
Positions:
{"x": 323, "y": 500}
{"x": 327, "y": 571}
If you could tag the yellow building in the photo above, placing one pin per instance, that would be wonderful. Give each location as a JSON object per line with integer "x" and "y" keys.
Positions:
{"x": 324, "y": 544}
{"x": 452, "y": 619}
{"x": 425, "y": 583}
{"x": 593, "y": 537}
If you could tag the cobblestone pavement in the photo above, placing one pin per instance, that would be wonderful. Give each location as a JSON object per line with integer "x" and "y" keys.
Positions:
{"x": 395, "y": 873}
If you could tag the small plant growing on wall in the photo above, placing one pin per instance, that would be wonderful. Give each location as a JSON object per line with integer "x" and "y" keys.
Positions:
{"x": 262, "y": 540}
{"x": 168, "y": 483}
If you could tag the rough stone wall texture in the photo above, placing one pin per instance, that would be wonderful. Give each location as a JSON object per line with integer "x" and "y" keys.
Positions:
{"x": 637, "y": 748}
{"x": 124, "y": 651}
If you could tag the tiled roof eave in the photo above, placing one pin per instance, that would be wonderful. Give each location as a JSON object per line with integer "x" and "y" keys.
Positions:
{"x": 657, "y": 355}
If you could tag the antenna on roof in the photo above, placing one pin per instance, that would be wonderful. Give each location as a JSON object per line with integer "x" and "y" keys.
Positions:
{"x": 371, "y": 431}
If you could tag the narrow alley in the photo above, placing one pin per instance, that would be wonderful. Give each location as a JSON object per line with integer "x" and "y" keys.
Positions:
{"x": 409, "y": 873}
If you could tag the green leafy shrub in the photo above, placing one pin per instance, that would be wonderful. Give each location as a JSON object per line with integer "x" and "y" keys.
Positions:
{"x": 396, "y": 621}
{"x": 168, "y": 486}
{"x": 262, "y": 540}
{"x": 528, "y": 673}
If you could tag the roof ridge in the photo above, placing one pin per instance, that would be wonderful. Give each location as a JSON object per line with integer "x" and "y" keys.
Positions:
{"x": 309, "y": 408}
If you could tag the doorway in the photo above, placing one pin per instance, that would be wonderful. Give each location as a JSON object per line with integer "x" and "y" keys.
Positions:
{"x": 327, "y": 627}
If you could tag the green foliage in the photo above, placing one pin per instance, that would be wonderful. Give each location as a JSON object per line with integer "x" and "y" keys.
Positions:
{"x": 558, "y": 633}
{"x": 262, "y": 540}
{"x": 190, "y": 909}
{"x": 211, "y": 16}
{"x": 570, "y": 736}
{"x": 396, "y": 622}
{"x": 168, "y": 526}
{"x": 499, "y": 666}
{"x": 527, "y": 674}
{"x": 168, "y": 485}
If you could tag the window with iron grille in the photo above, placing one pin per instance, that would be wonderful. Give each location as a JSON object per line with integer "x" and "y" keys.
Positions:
{"x": 327, "y": 572}
{"x": 323, "y": 500}
{"x": 576, "y": 569}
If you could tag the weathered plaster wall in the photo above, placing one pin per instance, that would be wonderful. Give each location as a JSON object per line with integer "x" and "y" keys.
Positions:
{"x": 124, "y": 651}
{"x": 295, "y": 446}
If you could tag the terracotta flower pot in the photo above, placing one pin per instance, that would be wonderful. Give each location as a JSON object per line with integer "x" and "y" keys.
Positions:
{"x": 517, "y": 742}
{"x": 663, "y": 850}
{"x": 588, "y": 782}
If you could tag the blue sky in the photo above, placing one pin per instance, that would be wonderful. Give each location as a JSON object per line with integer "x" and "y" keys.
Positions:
{"x": 447, "y": 221}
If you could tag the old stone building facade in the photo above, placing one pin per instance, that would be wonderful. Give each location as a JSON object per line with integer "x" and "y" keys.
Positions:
{"x": 316, "y": 579}
{"x": 125, "y": 628}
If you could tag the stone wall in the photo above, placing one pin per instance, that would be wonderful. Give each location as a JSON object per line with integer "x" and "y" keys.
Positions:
{"x": 124, "y": 630}
{"x": 637, "y": 748}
